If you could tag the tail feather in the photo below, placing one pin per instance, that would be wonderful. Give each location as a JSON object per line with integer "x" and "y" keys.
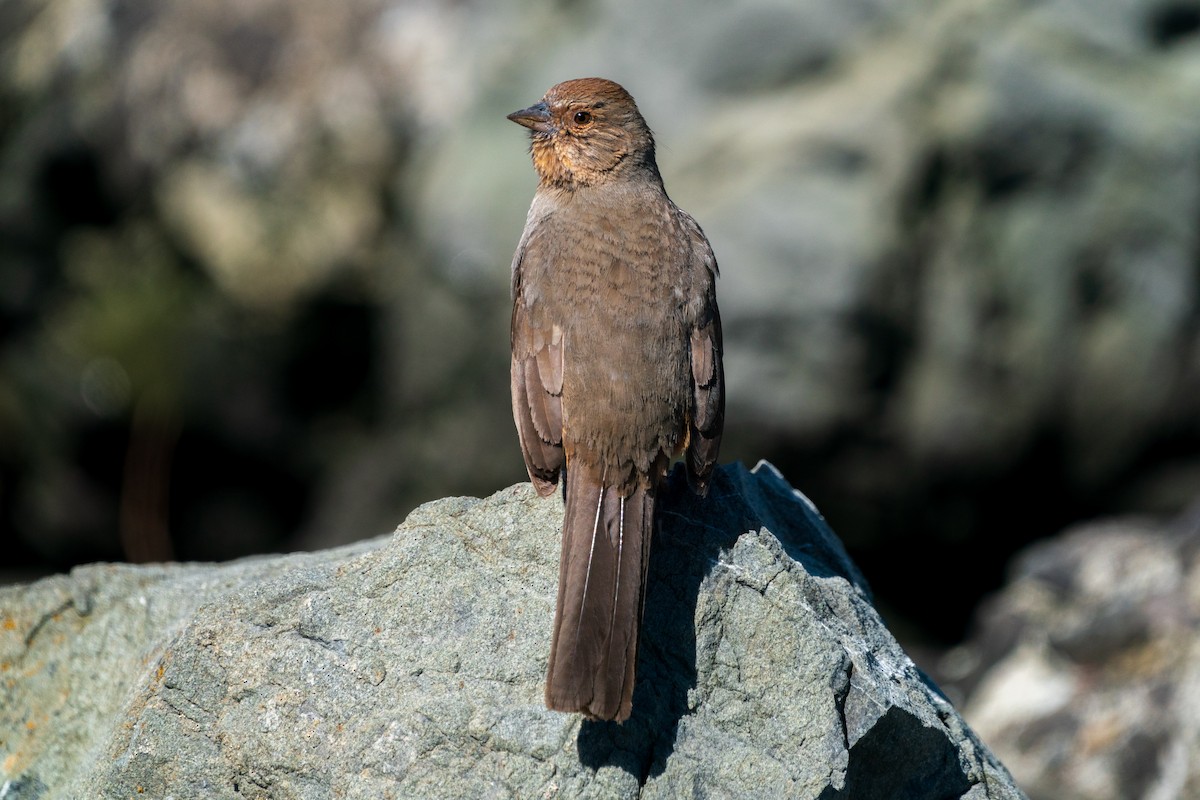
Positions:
{"x": 602, "y": 571}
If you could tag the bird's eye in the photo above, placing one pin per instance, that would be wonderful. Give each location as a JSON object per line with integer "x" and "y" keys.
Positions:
{"x": 583, "y": 117}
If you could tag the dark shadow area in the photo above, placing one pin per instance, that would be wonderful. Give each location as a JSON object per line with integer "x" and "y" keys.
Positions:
{"x": 900, "y": 514}
{"x": 1173, "y": 23}
{"x": 901, "y": 759}
{"x": 27, "y": 788}
{"x": 73, "y": 190}
{"x": 690, "y": 536}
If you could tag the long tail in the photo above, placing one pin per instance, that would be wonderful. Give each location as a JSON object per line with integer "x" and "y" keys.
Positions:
{"x": 601, "y": 578}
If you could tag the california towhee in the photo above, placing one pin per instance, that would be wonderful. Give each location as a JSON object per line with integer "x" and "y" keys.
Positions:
{"x": 616, "y": 369}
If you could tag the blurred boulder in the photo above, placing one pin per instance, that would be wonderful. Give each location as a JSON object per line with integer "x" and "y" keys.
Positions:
{"x": 1083, "y": 673}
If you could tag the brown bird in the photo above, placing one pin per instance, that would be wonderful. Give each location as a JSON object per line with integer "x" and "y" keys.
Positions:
{"x": 616, "y": 369}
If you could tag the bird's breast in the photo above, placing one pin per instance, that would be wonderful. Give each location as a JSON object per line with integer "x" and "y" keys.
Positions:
{"x": 618, "y": 294}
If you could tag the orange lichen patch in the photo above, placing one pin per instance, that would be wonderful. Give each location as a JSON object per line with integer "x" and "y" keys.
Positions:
{"x": 30, "y": 725}
{"x": 32, "y": 668}
{"x": 10, "y": 764}
{"x": 1101, "y": 734}
{"x": 9, "y": 624}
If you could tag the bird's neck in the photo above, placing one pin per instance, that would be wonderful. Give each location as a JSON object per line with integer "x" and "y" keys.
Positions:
{"x": 555, "y": 173}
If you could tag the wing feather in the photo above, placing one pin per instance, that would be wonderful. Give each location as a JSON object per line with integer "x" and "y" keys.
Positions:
{"x": 536, "y": 390}
{"x": 707, "y": 417}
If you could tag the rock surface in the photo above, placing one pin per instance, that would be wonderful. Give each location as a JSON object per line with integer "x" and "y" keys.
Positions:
{"x": 1084, "y": 674}
{"x": 412, "y": 666}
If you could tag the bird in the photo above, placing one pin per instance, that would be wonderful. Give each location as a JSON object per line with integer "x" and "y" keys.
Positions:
{"x": 616, "y": 371}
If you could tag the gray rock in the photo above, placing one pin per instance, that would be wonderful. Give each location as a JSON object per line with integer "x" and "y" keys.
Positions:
{"x": 412, "y": 666}
{"x": 1083, "y": 674}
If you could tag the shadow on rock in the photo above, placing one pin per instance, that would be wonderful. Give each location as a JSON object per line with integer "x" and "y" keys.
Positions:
{"x": 691, "y": 534}
{"x": 901, "y": 759}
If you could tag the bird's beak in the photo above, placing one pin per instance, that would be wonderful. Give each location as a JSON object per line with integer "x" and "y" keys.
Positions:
{"x": 536, "y": 117}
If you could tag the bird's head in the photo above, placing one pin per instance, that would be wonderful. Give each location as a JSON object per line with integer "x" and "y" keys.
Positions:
{"x": 586, "y": 132}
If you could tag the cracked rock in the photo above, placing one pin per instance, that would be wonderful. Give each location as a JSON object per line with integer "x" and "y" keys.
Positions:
{"x": 412, "y": 666}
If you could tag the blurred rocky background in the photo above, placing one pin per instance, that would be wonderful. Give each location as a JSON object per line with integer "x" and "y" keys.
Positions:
{"x": 1083, "y": 674}
{"x": 254, "y": 264}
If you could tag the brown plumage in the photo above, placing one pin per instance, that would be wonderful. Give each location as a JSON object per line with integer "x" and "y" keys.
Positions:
{"x": 616, "y": 369}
